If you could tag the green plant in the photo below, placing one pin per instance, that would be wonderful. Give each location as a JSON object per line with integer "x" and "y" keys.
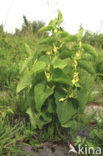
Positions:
{"x": 52, "y": 78}
{"x": 94, "y": 39}
{"x": 88, "y": 132}
{"x": 12, "y": 137}
{"x": 31, "y": 27}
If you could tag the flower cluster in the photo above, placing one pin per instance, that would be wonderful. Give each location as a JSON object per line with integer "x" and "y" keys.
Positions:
{"x": 76, "y": 74}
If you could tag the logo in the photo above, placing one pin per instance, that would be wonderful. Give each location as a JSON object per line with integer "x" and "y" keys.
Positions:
{"x": 84, "y": 150}
{"x": 72, "y": 149}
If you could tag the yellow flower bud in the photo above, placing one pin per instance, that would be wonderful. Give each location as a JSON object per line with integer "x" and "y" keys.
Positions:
{"x": 55, "y": 49}
{"x": 71, "y": 95}
{"x": 75, "y": 63}
{"x": 48, "y": 53}
{"x": 77, "y": 79}
{"x": 73, "y": 81}
{"x": 47, "y": 75}
{"x": 76, "y": 74}
{"x": 61, "y": 99}
{"x": 78, "y": 54}
{"x": 64, "y": 89}
{"x": 55, "y": 30}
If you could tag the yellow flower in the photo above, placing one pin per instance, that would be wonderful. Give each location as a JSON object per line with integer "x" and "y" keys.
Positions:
{"x": 71, "y": 95}
{"x": 48, "y": 66}
{"x": 55, "y": 49}
{"x": 73, "y": 81}
{"x": 75, "y": 63}
{"x": 47, "y": 75}
{"x": 48, "y": 53}
{"x": 55, "y": 30}
{"x": 76, "y": 74}
{"x": 78, "y": 54}
{"x": 77, "y": 79}
{"x": 62, "y": 99}
{"x": 64, "y": 89}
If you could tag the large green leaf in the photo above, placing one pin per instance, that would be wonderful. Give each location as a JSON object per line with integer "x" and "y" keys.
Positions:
{"x": 66, "y": 53}
{"x": 71, "y": 123}
{"x": 41, "y": 94}
{"x": 47, "y": 40}
{"x": 90, "y": 50}
{"x": 63, "y": 34}
{"x": 43, "y": 120}
{"x": 80, "y": 34}
{"x": 70, "y": 38}
{"x": 60, "y": 18}
{"x": 46, "y": 118}
{"x": 36, "y": 120}
{"x": 47, "y": 28}
{"x": 65, "y": 109}
{"x": 51, "y": 105}
{"x": 45, "y": 58}
{"x": 58, "y": 63}
{"x": 24, "y": 82}
{"x": 41, "y": 123}
{"x": 28, "y": 50}
{"x": 38, "y": 67}
{"x": 59, "y": 76}
{"x": 82, "y": 97}
{"x": 25, "y": 64}
{"x": 87, "y": 66}
{"x": 32, "y": 117}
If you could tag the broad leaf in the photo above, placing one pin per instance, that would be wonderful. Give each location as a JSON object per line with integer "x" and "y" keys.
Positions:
{"x": 59, "y": 76}
{"x": 82, "y": 97}
{"x": 90, "y": 50}
{"x": 63, "y": 34}
{"x": 87, "y": 66}
{"x": 41, "y": 94}
{"x": 60, "y": 18}
{"x": 28, "y": 50}
{"x": 46, "y": 118}
{"x": 71, "y": 123}
{"x": 36, "y": 120}
{"x": 51, "y": 105}
{"x": 58, "y": 63}
{"x": 80, "y": 34}
{"x": 43, "y": 120}
{"x": 25, "y": 64}
{"x": 45, "y": 58}
{"x": 47, "y": 28}
{"x": 38, "y": 67}
{"x": 24, "y": 82}
{"x": 32, "y": 117}
{"x": 70, "y": 38}
{"x": 48, "y": 40}
{"x": 65, "y": 109}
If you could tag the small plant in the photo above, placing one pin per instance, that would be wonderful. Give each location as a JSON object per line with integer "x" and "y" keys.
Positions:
{"x": 10, "y": 136}
{"x": 52, "y": 78}
{"x": 88, "y": 133}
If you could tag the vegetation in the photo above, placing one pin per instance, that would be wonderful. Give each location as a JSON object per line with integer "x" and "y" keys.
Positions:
{"x": 47, "y": 78}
